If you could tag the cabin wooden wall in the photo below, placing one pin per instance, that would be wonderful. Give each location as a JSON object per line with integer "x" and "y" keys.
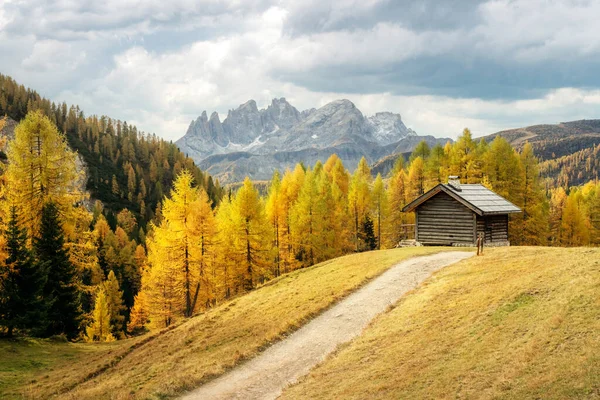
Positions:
{"x": 494, "y": 228}
{"x": 443, "y": 220}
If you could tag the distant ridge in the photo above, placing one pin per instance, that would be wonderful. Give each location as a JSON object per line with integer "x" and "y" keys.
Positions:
{"x": 569, "y": 151}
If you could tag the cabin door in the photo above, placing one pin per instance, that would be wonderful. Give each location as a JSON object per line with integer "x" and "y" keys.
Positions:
{"x": 488, "y": 230}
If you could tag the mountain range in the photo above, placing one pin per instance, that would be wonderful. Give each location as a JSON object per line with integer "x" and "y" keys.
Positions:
{"x": 254, "y": 142}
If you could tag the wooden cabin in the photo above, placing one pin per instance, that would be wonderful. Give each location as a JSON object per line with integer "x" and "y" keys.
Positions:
{"x": 455, "y": 214}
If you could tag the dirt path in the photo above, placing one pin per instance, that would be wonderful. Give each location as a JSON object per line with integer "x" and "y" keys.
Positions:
{"x": 265, "y": 376}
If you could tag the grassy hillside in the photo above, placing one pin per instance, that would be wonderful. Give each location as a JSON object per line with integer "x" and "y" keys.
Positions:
{"x": 515, "y": 323}
{"x": 168, "y": 363}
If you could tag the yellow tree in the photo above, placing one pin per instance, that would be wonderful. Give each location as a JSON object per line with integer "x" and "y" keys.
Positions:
{"x": 334, "y": 168}
{"x": 434, "y": 167}
{"x": 3, "y": 218}
{"x": 574, "y": 228}
{"x": 397, "y": 194}
{"x": 250, "y": 235}
{"x": 310, "y": 218}
{"x": 41, "y": 169}
{"x": 591, "y": 192}
{"x": 182, "y": 243}
{"x": 139, "y": 316}
{"x": 100, "y": 329}
{"x": 501, "y": 166}
{"x": 290, "y": 190}
{"x": 114, "y": 299}
{"x": 463, "y": 158}
{"x": 380, "y": 206}
{"x": 558, "y": 199}
{"x": 275, "y": 212}
{"x": 359, "y": 199}
{"x": 532, "y": 223}
{"x": 416, "y": 179}
{"x": 162, "y": 286}
{"x": 228, "y": 260}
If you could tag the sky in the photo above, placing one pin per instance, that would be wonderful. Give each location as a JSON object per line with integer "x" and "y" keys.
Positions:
{"x": 444, "y": 66}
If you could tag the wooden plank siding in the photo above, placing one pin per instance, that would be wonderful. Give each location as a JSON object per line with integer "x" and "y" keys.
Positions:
{"x": 443, "y": 220}
{"x": 494, "y": 227}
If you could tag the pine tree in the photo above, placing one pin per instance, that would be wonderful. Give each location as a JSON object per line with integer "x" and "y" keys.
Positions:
{"x": 368, "y": 240}
{"x": 116, "y": 307}
{"x": 61, "y": 290}
{"x": 22, "y": 305}
{"x": 100, "y": 329}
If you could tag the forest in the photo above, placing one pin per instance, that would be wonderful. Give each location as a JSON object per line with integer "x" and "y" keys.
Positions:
{"x": 162, "y": 242}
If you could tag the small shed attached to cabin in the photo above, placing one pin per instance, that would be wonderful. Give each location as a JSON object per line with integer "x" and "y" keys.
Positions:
{"x": 456, "y": 214}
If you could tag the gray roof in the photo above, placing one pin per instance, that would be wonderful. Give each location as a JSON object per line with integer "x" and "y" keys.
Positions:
{"x": 474, "y": 196}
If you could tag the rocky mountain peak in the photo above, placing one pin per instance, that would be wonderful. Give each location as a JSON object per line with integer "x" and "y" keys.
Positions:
{"x": 250, "y": 106}
{"x": 215, "y": 117}
{"x": 388, "y": 127}
{"x": 281, "y": 131}
{"x": 281, "y": 115}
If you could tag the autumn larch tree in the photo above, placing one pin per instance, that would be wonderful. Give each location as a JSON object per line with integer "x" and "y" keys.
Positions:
{"x": 380, "y": 208}
{"x": 41, "y": 169}
{"x": 274, "y": 213}
{"x": 250, "y": 235}
{"x": 114, "y": 299}
{"x": 100, "y": 329}
{"x": 181, "y": 249}
{"x": 359, "y": 199}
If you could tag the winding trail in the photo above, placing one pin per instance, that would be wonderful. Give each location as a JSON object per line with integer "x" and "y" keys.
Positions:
{"x": 266, "y": 375}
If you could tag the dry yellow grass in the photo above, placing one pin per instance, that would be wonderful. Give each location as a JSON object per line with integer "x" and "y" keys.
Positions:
{"x": 519, "y": 323}
{"x": 164, "y": 365}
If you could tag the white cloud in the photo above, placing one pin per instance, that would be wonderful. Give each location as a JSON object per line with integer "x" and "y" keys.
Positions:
{"x": 117, "y": 58}
{"x": 53, "y": 55}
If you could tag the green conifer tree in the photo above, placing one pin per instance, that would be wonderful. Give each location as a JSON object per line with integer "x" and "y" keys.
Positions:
{"x": 367, "y": 236}
{"x": 21, "y": 285}
{"x": 61, "y": 290}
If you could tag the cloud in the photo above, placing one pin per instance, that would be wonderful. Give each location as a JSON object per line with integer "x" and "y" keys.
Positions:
{"x": 488, "y": 65}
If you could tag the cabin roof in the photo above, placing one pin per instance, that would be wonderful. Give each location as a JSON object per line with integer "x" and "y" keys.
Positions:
{"x": 476, "y": 197}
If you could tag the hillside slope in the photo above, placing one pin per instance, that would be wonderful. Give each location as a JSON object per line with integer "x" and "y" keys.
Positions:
{"x": 125, "y": 168}
{"x": 164, "y": 364}
{"x": 516, "y": 323}
{"x": 568, "y": 150}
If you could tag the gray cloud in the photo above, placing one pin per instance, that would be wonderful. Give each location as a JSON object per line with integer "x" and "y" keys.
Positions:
{"x": 485, "y": 64}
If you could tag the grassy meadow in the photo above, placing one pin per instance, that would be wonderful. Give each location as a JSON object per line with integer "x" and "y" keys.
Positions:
{"x": 516, "y": 323}
{"x": 165, "y": 364}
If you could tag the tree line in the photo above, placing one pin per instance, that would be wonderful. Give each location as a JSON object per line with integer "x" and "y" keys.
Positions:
{"x": 59, "y": 258}
{"x": 126, "y": 168}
